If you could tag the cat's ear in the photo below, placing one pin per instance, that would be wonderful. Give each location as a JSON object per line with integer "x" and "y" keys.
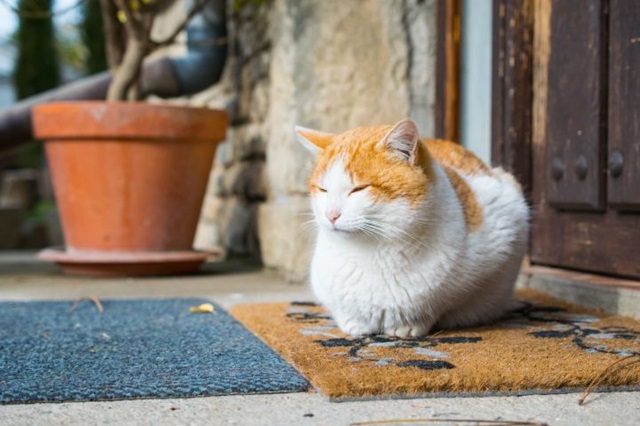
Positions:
{"x": 403, "y": 139}
{"x": 313, "y": 140}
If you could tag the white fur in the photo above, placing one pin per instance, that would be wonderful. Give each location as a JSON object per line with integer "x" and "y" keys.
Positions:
{"x": 391, "y": 268}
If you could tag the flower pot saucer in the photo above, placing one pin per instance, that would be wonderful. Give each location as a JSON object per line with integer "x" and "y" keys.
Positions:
{"x": 125, "y": 264}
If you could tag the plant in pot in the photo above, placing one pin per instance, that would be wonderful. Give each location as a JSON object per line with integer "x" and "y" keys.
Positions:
{"x": 129, "y": 176}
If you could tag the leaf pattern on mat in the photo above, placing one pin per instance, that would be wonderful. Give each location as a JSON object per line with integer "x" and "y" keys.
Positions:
{"x": 361, "y": 349}
{"x": 545, "y": 322}
{"x": 561, "y": 324}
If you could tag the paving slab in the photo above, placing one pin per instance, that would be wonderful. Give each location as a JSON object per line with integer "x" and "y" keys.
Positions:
{"x": 23, "y": 278}
{"x": 621, "y": 408}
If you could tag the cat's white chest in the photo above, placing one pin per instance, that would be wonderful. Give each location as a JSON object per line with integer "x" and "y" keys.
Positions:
{"x": 344, "y": 269}
{"x": 377, "y": 287}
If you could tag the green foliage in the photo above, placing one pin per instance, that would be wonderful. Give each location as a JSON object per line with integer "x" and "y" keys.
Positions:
{"x": 38, "y": 213}
{"x": 93, "y": 37}
{"x": 71, "y": 52}
{"x": 30, "y": 156}
{"x": 238, "y": 5}
{"x": 37, "y": 67}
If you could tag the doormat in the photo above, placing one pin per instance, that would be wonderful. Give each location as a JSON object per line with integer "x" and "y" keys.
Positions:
{"x": 54, "y": 352}
{"x": 546, "y": 346}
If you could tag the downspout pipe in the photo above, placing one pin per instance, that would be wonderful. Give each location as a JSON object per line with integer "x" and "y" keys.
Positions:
{"x": 164, "y": 77}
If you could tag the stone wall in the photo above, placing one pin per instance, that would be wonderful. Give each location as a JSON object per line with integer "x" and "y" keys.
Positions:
{"x": 330, "y": 65}
{"x": 237, "y": 183}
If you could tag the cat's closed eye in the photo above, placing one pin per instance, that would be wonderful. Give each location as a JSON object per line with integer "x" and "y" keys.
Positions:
{"x": 319, "y": 188}
{"x": 359, "y": 188}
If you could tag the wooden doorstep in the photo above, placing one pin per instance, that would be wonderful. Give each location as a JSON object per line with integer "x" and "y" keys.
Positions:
{"x": 613, "y": 295}
{"x": 578, "y": 277}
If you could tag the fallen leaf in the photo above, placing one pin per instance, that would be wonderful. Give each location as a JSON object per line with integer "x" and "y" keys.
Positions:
{"x": 205, "y": 308}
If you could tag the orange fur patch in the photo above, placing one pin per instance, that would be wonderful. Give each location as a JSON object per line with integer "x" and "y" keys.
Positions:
{"x": 390, "y": 177}
{"x": 473, "y": 214}
{"x": 453, "y": 155}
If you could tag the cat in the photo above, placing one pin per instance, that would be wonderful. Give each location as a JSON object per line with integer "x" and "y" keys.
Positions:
{"x": 412, "y": 233}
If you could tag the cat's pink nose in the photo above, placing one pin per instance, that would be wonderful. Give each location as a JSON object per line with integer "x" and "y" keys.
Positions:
{"x": 333, "y": 215}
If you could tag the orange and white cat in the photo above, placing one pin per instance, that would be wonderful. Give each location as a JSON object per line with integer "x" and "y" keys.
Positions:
{"x": 412, "y": 232}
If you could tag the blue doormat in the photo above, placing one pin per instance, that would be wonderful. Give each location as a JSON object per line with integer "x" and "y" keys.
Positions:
{"x": 134, "y": 349}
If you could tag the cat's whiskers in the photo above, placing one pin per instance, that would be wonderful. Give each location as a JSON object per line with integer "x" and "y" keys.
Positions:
{"x": 398, "y": 234}
{"x": 414, "y": 221}
{"x": 309, "y": 213}
{"x": 308, "y": 226}
{"x": 382, "y": 233}
{"x": 371, "y": 233}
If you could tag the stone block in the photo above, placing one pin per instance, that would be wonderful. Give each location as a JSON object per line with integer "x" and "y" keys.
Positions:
{"x": 241, "y": 234}
{"x": 208, "y": 239}
{"x": 259, "y": 64}
{"x": 244, "y": 179}
{"x": 244, "y": 97}
{"x": 259, "y": 106}
{"x": 224, "y": 151}
{"x": 286, "y": 237}
{"x": 211, "y": 207}
{"x": 216, "y": 186}
{"x": 229, "y": 223}
{"x": 19, "y": 188}
{"x": 248, "y": 141}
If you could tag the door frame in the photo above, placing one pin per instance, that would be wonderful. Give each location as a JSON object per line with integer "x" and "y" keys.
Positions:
{"x": 512, "y": 83}
{"x": 447, "y": 72}
{"x": 512, "y": 89}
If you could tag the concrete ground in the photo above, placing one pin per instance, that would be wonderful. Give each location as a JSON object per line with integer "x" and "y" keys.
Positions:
{"x": 21, "y": 278}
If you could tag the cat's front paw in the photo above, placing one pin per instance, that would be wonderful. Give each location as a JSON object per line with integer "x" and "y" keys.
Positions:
{"x": 358, "y": 329}
{"x": 406, "y": 331}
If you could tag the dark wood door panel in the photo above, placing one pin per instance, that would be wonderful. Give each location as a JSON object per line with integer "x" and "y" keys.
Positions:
{"x": 624, "y": 105}
{"x": 591, "y": 242}
{"x": 511, "y": 88}
{"x": 605, "y": 241}
{"x": 576, "y": 105}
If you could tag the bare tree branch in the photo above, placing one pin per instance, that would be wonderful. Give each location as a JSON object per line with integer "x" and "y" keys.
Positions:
{"x": 131, "y": 23}
{"x": 197, "y": 8}
{"x": 138, "y": 23}
{"x": 125, "y": 76}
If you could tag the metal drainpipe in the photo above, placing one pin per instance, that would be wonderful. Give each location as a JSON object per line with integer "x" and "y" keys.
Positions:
{"x": 165, "y": 77}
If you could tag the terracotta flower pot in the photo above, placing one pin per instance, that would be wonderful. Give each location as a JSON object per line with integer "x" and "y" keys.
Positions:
{"x": 129, "y": 180}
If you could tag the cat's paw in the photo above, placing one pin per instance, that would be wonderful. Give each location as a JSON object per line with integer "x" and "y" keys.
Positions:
{"x": 357, "y": 328}
{"x": 405, "y": 331}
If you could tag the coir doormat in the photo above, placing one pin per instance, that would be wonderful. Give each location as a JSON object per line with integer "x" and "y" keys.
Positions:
{"x": 133, "y": 349}
{"x": 546, "y": 346}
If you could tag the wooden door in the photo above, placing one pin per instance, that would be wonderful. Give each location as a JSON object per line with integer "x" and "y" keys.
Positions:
{"x": 586, "y": 135}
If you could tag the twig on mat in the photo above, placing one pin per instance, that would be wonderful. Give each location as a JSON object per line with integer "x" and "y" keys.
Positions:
{"x": 606, "y": 373}
{"x": 93, "y": 299}
{"x": 437, "y": 420}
